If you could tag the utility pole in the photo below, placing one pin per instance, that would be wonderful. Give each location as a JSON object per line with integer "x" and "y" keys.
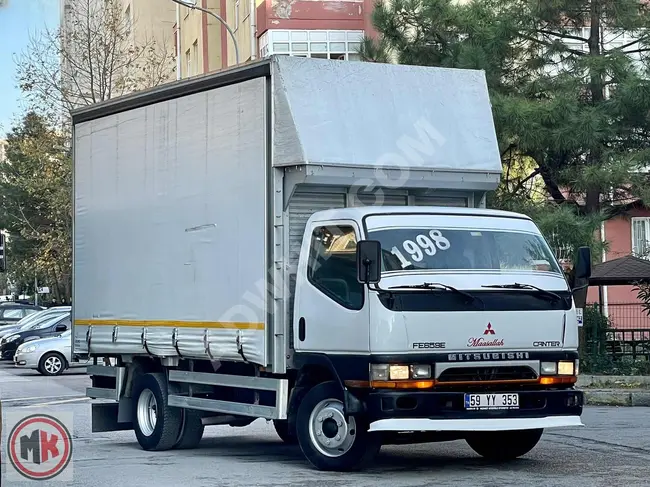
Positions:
{"x": 193, "y": 6}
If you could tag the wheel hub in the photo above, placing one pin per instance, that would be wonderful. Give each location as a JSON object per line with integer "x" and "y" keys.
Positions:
{"x": 329, "y": 432}
{"x": 147, "y": 412}
{"x": 52, "y": 365}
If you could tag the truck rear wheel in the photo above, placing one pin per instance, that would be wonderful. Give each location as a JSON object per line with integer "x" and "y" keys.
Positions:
{"x": 326, "y": 439}
{"x": 191, "y": 431}
{"x": 156, "y": 424}
{"x": 501, "y": 446}
{"x": 284, "y": 431}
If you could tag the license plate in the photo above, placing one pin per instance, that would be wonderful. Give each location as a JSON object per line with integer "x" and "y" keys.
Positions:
{"x": 476, "y": 402}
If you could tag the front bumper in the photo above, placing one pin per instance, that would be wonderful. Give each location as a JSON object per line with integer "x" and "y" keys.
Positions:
{"x": 445, "y": 411}
{"x": 7, "y": 350}
{"x": 26, "y": 360}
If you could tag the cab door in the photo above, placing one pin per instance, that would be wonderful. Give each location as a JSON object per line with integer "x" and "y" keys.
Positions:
{"x": 331, "y": 306}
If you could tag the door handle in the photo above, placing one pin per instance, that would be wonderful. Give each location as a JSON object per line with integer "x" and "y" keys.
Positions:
{"x": 301, "y": 329}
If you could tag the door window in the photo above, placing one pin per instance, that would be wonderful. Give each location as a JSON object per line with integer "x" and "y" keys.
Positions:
{"x": 13, "y": 314}
{"x": 332, "y": 265}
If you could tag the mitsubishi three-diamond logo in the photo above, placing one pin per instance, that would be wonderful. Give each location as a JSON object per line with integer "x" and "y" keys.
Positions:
{"x": 474, "y": 342}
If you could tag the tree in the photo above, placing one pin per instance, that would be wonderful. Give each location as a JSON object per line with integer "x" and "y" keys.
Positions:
{"x": 36, "y": 206}
{"x": 92, "y": 57}
{"x": 568, "y": 81}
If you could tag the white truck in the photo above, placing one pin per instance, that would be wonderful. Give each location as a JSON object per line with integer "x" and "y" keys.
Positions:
{"x": 306, "y": 241}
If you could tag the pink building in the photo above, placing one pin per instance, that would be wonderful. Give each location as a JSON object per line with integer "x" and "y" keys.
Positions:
{"x": 628, "y": 233}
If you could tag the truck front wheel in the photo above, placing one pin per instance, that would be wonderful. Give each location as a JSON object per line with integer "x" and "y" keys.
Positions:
{"x": 501, "y": 446}
{"x": 157, "y": 426}
{"x": 326, "y": 439}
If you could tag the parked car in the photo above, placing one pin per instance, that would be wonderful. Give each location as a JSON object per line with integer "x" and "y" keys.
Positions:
{"x": 50, "y": 356}
{"x": 33, "y": 319}
{"x": 55, "y": 326}
{"x": 13, "y": 313}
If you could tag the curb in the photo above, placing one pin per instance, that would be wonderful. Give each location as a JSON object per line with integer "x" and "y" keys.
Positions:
{"x": 614, "y": 381}
{"x": 617, "y": 398}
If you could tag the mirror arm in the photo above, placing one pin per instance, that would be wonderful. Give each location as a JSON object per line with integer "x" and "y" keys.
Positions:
{"x": 579, "y": 288}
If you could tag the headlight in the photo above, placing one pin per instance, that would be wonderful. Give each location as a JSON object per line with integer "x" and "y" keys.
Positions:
{"x": 13, "y": 338}
{"x": 385, "y": 372}
{"x": 30, "y": 349}
{"x": 563, "y": 367}
{"x": 379, "y": 372}
{"x": 549, "y": 368}
{"x": 421, "y": 371}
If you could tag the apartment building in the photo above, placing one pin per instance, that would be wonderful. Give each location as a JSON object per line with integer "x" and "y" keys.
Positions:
{"x": 153, "y": 21}
{"x": 308, "y": 28}
{"x": 201, "y": 39}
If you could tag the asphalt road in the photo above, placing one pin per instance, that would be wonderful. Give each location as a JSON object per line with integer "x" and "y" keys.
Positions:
{"x": 613, "y": 448}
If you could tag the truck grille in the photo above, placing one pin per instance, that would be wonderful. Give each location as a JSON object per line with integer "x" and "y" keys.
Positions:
{"x": 476, "y": 374}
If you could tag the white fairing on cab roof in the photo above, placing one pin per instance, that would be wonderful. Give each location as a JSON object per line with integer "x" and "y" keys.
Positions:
{"x": 156, "y": 234}
{"x": 423, "y": 117}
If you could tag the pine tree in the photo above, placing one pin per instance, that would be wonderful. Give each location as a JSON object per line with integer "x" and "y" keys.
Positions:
{"x": 567, "y": 78}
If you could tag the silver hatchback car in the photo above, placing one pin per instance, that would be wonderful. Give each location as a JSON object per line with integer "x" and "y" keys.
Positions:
{"x": 50, "y": 356}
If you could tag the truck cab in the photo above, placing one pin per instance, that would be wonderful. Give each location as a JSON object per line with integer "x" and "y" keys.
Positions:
{"x": 453, "y": 320}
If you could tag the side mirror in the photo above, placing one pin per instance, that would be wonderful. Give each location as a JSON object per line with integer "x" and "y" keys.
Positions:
{"x": 582, "y": 268}
{"x": 60, "y": 328}
{"x": 368, "y": 261}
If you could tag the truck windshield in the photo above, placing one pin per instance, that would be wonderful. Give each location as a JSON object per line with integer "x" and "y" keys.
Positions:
{"x": 463, "y": 249}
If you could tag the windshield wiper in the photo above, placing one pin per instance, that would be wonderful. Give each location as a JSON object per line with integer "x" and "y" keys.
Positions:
{"x": 516, "y": 285}
{"x": 438, "y": 286}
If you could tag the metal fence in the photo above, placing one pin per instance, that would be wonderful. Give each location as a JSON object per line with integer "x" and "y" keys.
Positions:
{"x": 627, "y": 316}
{"x": 618, "y": 342}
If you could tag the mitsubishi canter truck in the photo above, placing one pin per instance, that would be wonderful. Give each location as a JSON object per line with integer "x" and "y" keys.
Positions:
{"x": 306, "y": 241}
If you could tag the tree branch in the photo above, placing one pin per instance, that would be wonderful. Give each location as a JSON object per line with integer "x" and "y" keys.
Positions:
{"x": 563, "y": 36}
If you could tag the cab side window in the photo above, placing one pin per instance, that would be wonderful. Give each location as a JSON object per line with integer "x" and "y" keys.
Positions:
{"x": 332, "y": 265}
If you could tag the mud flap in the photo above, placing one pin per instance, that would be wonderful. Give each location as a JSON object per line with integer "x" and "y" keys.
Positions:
{"x": 107, "y": 417}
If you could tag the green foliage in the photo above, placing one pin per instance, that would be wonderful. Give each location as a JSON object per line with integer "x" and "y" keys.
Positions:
{"x": 564, "y": 228}
{"x": 36, "y": 206}
{"x": 576, "y": 106}
{"x": 643, "y": 295}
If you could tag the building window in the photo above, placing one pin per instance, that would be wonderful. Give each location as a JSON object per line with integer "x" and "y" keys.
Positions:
{"x": 237, "y": 15}
{"x": 128, "y": 20}
{"x": 323, "y": 44}
{"x": 195, "y": 56}
{"x": 332, "y": 266}
{"x": 641, "y": 237}
{"x": 188, "y": 62}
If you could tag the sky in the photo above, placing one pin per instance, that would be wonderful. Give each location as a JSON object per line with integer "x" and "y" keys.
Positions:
{"x": 18, "y": 20}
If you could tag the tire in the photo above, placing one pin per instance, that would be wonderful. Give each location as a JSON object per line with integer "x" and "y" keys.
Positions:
{"x": 283, "y": 430}
{"x": 52, "y": 364}
{"x": 162, "y": 431}
{"x": 191, "y": 430}
{"x": 502, "y": 446}
{"x": 327, "y": 398}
